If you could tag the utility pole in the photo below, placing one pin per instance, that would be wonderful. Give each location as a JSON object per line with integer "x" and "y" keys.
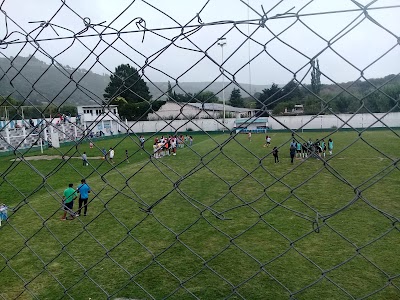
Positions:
{"x": 222, "y": 43}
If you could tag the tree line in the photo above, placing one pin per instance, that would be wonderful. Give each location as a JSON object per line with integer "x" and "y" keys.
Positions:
{"x": 374, "y": 95}
{"x": 129, "y": 91}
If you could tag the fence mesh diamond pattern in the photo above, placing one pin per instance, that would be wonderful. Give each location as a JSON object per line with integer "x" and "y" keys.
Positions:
{"x": 287, "y": 193}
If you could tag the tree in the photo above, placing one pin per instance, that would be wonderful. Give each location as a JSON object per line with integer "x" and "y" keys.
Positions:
{"x": 130, "y": 92}
{"x": 269, "y": 96}
{"x": 236, "y": 99}
{"x": 127, "y": 83}
{"x": 206, "y": 97}
{"x": 315, "y": 77}
{"x": 291, "y": 91}
{"x": 170, "y": 92}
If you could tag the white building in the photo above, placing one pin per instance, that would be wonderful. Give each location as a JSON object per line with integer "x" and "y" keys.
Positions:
{"x": 186, "y": 111}
{"x": 99, "y": 119}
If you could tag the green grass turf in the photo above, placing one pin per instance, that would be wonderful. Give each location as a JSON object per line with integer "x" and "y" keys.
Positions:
{"x": 226, "y": 222}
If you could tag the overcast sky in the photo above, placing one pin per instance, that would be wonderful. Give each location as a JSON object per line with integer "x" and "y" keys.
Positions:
{"x": 186, "y": 61}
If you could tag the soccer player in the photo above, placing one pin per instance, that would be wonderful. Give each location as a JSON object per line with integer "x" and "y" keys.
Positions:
{"x": 275, "y": 153}
{"x": 268, "y": 141}
{"x": 249, "y": 136}
{"x": 84, "y": 159}
{"x": 104, "y": 151}
{"x": 173, "y": 145}
{"x": 68, "y": 202}
{"x": 323, "y": 147}
{"x": 305, "y": 149}
{"x": 111, "y": 155}
{"x": 83, "y": 190}
{"x": 317, "y": 147}
{"x": 142, "y": 140}
{"x": 298, "y": 149}
{"x": 330, "y": 146}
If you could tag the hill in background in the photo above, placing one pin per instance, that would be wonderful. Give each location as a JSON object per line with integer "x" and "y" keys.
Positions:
{"x": 30, "y": 78}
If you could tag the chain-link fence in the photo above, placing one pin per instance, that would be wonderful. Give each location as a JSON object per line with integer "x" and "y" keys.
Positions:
{"x": 220, "y": 149}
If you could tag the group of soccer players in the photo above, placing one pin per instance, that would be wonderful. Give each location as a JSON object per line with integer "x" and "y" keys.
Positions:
{"x": 303, "y": 150}
{"x": 165, "y": 146}
{"x": 318, "y": 148}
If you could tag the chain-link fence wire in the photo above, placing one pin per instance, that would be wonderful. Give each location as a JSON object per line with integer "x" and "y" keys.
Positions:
{"x": 220, "y": 221}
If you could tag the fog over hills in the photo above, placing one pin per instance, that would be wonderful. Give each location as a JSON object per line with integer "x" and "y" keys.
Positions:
{"x": 39, "y": 83}
{"x": 30, "y": 78}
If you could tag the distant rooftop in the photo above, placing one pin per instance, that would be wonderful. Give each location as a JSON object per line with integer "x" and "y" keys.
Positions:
{"x": 97, "y": 106}
{"x": 219, "y": 107}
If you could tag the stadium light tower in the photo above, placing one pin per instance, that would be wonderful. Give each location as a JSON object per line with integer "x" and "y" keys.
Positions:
{"x": 222, "y": 43}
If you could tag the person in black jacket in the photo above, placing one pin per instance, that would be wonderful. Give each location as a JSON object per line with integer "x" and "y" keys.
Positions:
{"x": 275, "y": 153}
{"x": 292, "y": 153}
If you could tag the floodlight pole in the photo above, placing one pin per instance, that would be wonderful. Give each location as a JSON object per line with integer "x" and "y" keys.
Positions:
{"x": 222, "y": 43}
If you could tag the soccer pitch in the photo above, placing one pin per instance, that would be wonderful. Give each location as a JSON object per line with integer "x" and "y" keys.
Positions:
{"x": 219, "y": 220}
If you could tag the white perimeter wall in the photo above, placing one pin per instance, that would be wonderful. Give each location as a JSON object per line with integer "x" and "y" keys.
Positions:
{"x": 339, "y": 121}
{"x": 275, "y": 123}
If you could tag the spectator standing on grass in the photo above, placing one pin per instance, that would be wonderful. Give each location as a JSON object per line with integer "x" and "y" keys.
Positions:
{"x": 111, "y": 155}
{"x": 330, "y": 146}
{"x": 293, "y": 144}
{"x": 275, "y": 153}
{"x": 127, "y": 155}
{"x": 83, "y": 190}
{"x": 84, "y": 159}
{"x": 190, "y": 141}
{"x": 292, "y": 153}
{"x": 68, "y": 202}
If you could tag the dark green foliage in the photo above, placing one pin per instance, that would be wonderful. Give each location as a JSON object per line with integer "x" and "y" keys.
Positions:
{"x": 289, "y": 94}
{"x": 140, "y": 110}
{"x": 170, "y": 92}
{"x": 130, "y": 92}
{"x": 127, "y": 83}
{"x": 268, "y": 97}
{"x": 236, "y": 99}
{"x": 203, "y": 97}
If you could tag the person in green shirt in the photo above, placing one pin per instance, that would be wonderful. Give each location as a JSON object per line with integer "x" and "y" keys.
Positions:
{"x": 68, "y": 201}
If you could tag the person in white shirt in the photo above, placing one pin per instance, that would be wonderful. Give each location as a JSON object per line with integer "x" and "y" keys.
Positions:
{"x": 111, "y": 155}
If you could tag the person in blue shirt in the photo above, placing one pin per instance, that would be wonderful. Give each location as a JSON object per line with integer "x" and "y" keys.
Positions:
{"x": 83, "y": 190}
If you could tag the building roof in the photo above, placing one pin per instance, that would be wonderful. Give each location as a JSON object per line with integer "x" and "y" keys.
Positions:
{"x": 218, "y": 107}
{"x": 97, "y": 106}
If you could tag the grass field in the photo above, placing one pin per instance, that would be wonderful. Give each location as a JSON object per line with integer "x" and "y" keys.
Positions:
{"x": 225, "y": 222}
